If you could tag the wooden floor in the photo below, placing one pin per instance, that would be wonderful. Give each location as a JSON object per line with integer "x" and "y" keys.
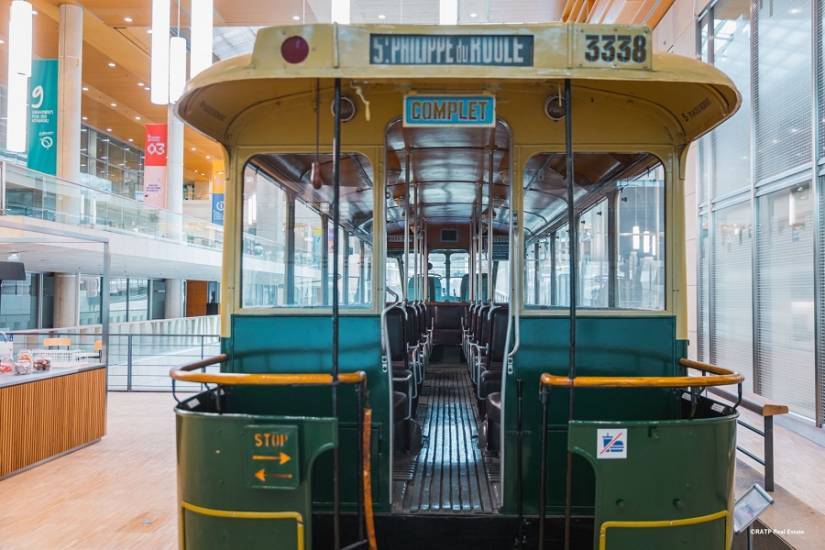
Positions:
{"x": 116, "y": 494}
{"x": 120, "y": 492}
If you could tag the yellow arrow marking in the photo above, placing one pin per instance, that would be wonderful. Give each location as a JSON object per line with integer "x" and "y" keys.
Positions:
{"x": 261, "y": 475}
{"x": 284, "y": 458}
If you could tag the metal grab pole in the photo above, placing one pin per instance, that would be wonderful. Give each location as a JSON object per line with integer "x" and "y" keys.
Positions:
{"x": 490, "y": 294}
{"x": 406, "y": 274}
{"x": 572, "y": 235}
{"x": 336, "y": 219}
{"x": 543, "y": 465}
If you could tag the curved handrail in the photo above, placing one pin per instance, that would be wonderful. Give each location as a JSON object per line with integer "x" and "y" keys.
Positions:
{"x": 185, "y": 374}
{"x": 719, "y": 377}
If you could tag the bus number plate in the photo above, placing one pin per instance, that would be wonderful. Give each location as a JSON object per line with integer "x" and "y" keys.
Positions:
{"x": 619, "y": 48}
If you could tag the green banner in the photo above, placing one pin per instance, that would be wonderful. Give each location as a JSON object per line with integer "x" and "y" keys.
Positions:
{"x": 43, "y": 116}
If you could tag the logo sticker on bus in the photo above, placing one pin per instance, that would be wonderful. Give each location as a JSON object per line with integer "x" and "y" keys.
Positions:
{"x": 503, "y": 50}
{"x": 469, "y": 111}
{"x": 611, "y": 443}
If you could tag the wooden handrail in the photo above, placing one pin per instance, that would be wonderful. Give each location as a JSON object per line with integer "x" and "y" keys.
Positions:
{"x": 186, "y": 374}
{"x": 719, "y": 377}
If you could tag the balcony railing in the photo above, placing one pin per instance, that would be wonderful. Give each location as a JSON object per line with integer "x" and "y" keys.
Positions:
{"x": 25, "y": 192}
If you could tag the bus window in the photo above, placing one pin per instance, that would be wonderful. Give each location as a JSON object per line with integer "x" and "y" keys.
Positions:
{"x": 288, "y": 233}
{"x": 620, "y": 204}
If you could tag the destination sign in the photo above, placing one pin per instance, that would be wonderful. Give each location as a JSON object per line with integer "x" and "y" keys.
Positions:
{"x": 272, "y": 456}
{"x": 475, "y": 111}
{"x": 504, "y": 50}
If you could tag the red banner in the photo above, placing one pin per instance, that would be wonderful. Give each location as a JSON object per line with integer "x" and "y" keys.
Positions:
{"x": 154, "y": 162}
{"x": 155, "y": 145}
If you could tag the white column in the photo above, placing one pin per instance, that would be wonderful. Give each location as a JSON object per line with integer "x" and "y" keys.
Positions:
{"x": 66, "y": 295}
{"x": 69, "y": 89}
{"x": 174, "y": 165}
{"x": 70, "y": 73}
{"x": 174, "y": 203}
{"x": 174, "y": 299}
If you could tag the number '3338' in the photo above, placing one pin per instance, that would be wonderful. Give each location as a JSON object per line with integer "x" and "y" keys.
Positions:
{"x": 621, "y": 48}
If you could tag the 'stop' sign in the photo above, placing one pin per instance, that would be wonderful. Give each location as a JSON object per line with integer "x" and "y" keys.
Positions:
{"x": 505, "y": 50}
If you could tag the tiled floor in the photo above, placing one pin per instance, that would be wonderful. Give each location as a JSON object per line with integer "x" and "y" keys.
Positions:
{"x": 120, "y": 493}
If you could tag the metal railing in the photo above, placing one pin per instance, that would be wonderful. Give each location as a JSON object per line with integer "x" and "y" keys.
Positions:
{"x": 140, "y": 354}
{"x": 767, "y": 412}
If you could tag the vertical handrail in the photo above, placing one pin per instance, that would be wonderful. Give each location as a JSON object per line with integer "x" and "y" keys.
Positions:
{"x": 336, "y": 221}
{"x": 572, "y": 233}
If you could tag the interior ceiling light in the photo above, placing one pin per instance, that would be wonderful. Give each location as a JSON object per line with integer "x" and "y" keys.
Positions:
{"x": 137, "y": 117}
{"x": 111, "y": 64}
{"x": 113, "y": 104}
{"x": 200, "y": 57}
{"x": 141, "y": 84}
{"x": 127, "y": 19}
{"x": 19, "y": 71}
{"x": 108, "y": 129}
{"x": 85, "y": 89}
{"x": 160, "y": 51}
{"x": 85, "y": 118}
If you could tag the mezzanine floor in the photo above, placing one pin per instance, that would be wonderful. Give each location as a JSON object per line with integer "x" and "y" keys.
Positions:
{"x": 120, "y": 492}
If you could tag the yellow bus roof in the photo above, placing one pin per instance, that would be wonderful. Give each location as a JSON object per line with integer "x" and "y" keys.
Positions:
{"x": 696, "y": 96}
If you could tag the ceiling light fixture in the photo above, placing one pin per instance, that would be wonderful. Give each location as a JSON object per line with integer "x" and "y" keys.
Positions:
{"x": 141, "y": 84}
{"x": 85, "y": 89}
{"x": 113, "y": 104}
{"x": 111, "y": 64}
{"x": 177, "y": 67}
{"x": 160, "y": 51}
{"x": 20, "y": 69}
{"x": 448, "y": 12}
{"x": 381, "y": 16}
{"x": 85, "y": 118}
{"x": 108, "y": 129}
{"x": 137, "y": 117}
{"x": 127, "y": 19}
{"x": 200, "y": 57}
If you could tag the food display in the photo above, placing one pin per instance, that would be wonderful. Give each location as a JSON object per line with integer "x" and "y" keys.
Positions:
{"x": 24, "y": 363}
{"x": 42, "y": 364}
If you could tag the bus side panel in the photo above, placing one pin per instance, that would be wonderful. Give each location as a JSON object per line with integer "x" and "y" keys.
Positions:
{"x": 624, "y": 346}
{"x": 303, "y": 343}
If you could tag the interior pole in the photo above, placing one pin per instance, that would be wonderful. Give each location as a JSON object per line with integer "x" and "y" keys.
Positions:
{"x": 572, "y": 234}
{"x": 490, "y": 289}
{"x": 406, "y": 275}
{"x": 336, "y": 219}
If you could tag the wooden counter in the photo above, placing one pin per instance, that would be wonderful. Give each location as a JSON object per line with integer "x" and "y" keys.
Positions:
{"x": 44, "y": 415}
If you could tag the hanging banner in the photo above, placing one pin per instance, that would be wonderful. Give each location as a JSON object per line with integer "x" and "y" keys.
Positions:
{"x": 218, "y": 188}
{"x": 42, "y": 150}
{"x": 154, "y": 166}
